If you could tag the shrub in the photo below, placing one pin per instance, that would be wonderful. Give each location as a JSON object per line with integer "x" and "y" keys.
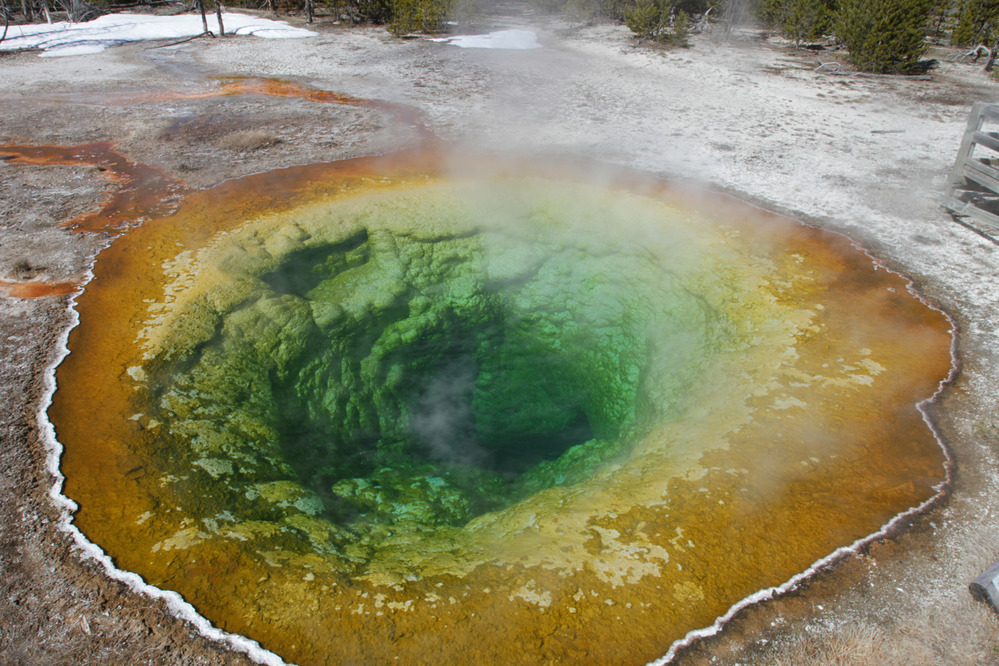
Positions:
{"x": 659, "y": 20}
{"x": 681, "y": 30}
{"x": 646, "y": 19}
{"x": 646, "y": 13}
{"x": 373, "y": 11}
{"x": 884, "y": 36}
{"x": 799, "y": 20}
{"x": 426, "y": 16}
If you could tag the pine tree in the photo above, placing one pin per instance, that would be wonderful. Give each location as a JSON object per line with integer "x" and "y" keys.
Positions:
{"x": 884, "y": 36}
{"x": 805, "y": 19}
{"x": 978, "y": 23}
{"x": 799, "y": 20}
{"x": 412, "y": 16}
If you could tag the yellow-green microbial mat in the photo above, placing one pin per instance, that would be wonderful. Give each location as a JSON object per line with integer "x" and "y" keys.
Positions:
{"x": 488, "y": 417}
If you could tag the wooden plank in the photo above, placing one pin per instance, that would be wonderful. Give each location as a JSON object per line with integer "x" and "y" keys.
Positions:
{"x": 975, "y": 120}
{"x": 955, "y": 206}
{"x": 986, "y": 586}
{"x": 968, "y": 170}
{"x": 990, "y": 111}
{"x": 982, "y": 173}
{"x": 987, "y": 140}
{"x": 966, "y": 209}
{"x": 985, "y": 217}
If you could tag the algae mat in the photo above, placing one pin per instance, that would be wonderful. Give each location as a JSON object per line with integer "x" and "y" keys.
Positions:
{"x": 397, "y": 409}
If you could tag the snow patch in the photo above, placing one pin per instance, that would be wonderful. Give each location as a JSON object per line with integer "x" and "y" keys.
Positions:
{"x": 511, "y": 40}
{"x": 66, "y": 39}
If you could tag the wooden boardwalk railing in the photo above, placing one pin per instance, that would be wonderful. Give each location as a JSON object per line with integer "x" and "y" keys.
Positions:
{"x": 974, "y": 181}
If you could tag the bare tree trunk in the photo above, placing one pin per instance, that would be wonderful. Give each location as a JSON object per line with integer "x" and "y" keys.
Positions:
{"x": 308, "y": 10}
{"x": 218, "y": 14}
{"x": 28, "y": 10}
{"x": 6, "y": 20}
{"x": 941, "y": 17}
{"x": 45, "y": 10}
{"x": 204, "y": 19}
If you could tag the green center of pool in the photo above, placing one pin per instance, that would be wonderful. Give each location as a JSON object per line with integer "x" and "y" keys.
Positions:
{"x": 416, "y": 359}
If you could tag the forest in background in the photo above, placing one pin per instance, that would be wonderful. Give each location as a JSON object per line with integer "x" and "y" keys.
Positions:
{"x": 880, "y": 36}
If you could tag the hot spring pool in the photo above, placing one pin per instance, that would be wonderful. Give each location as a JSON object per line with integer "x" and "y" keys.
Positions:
{"x": 479, "y": 415}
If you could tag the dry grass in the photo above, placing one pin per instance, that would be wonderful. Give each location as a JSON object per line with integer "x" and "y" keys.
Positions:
{"x": 248, "y": 140}
{"x": 23, "y": 269}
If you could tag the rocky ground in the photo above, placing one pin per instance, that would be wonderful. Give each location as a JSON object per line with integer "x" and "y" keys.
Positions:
{"x": 864, "y": 155}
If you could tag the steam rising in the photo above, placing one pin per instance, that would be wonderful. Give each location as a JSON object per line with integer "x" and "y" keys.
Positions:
{"x": 442, "y": 421}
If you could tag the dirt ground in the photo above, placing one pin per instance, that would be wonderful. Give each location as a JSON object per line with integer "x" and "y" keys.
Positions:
{"x": 867, "y": 156}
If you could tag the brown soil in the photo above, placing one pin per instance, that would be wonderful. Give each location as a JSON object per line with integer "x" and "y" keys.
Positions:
{"x": 57, "y": 607}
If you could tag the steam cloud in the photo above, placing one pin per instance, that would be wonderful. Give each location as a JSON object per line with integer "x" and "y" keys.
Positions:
{"x": 441, "y": 419}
